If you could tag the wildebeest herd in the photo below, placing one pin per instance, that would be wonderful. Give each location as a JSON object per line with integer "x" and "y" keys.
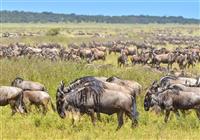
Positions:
{"x": 22, "y": 93}
{"x": 138, "y": 52}
{"x": 109, "y": 95}
{"x": 95, "y": 95}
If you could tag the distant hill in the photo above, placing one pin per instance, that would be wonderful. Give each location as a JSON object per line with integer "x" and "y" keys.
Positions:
{"x": 44, "y": 17}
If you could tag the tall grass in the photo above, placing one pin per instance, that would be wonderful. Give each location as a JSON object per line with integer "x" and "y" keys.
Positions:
{"x": 51, "y": 126}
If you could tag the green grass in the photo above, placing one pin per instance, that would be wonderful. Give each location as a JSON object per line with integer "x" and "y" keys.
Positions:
{"x": 68, "y": 31}
{"x": 51, "y": 126}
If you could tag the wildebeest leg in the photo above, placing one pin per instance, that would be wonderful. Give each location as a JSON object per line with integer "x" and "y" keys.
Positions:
{"x": 177, "y": 114}
{"x": 38, "y": 108}
{"x": 98, "y": 116}
{"x": 171, "y": 65}
{"x": 134, "y": 121}
{"x": 168, "y": 65}
{"x": 75, "y": 117}
{"x": 120, "y": 119}
{"x": 29, "y": 107}
{"x": 92, "y": 116}
{"x": 44, "y": 107}
{"x": 13, "y": 107}
{"x": 188, "y": 65}
{"x": 183, "y": 112}
{"x": 198, "y": 113}
{"x": 167, "y": 113}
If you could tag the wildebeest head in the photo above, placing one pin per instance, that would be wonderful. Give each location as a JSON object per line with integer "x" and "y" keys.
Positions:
{"x": 17, "y": 81}
{"x": 148, "y": 97}
{"x": 60, "y": 100}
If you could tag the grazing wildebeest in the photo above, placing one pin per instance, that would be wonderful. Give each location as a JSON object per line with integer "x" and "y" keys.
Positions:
{"x": 168, "y": 80}
{"x": 38, "y": 98}
{"x": 184, "y": 88}
{"x": 155, "y": 88}
{"x": 181, "y": 60}
{"x": 122, "y": 60}
{"x": 191, "y": 60}
{"x": 129, "y": 84}
{"x": 12, "y": 96}
{"x": 27, "y": 85}
{"x": 164, "y": 58}
{"x": 90, "y": 95}
{"x": 136, "y": 59}
{"x": 97, "y": 55}
{"x": 175, "y": 99}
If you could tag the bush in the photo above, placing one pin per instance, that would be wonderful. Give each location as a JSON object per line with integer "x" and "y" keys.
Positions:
{"x": 53, "y": 32}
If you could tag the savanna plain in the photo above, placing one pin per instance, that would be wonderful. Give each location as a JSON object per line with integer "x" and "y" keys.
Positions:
{"x": 50, "y": 126}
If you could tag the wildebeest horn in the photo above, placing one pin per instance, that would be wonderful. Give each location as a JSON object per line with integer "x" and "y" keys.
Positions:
{"x": 198, "y": 81}
{"x": 154, "y": 82}
{"x": 62, "y": 84}
{"x": 60, "y": 91}
{"x": 19, "y": 78}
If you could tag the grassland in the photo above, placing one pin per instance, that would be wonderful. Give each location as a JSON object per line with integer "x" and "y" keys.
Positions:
{"x": 51, "y": 126}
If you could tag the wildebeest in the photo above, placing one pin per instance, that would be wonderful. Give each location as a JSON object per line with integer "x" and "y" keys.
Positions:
{"x": 122, "y": 59}
{"x": 168, "y": 80}
{"x": 27, "y": 85}
{"x": 129, "y": 84}
{"x": 90, "y": 95}
{"x": 175, "y": 99}
{"x": 182, "y": 61}
{"x": 97, "y": 55}
{"x": 136, "y": 59}
{"x": 38, "y": 98}
{"x": 164, "y": 58}
{"x": 12, "y": 96}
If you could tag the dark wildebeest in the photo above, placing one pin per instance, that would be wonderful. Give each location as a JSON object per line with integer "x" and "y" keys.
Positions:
{"x": 90, "y": 95}
{"x": 191, "y": 60}
{"x": 175, "y": 99}
{"x": 154, "y": 88}
{"x": 168, "y": 80}
{"x": 38, "y": 98}
{"x": 122, "y": 60}
{"x": 27, "y": 85}
{"x": 12, "y": 96}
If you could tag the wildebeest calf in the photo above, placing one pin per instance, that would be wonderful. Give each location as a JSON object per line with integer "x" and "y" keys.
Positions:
{"x": 27, "y": 85}
{"x": 12, "y": 96}
{"x": 38, "y": 98}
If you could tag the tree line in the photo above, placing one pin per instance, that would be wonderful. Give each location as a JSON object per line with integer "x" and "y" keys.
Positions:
{"x": 44, "y": 17}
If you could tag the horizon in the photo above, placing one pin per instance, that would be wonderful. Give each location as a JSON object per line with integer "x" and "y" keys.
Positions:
{"x": 94, "y": 14}
{"x": 177, "y": 8}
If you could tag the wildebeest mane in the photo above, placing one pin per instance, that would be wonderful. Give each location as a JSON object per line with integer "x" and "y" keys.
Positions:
{"x": 165, "y": 79}
{"x": 110, "y": 79}
{"x": 82, "y": 95}
{"x": 19, "y": 78}
{"x": 84, "y": 81}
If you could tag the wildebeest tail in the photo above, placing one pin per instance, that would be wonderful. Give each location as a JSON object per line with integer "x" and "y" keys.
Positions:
{"x": 134, "y": 111}
{"x": 22, "y": 101}
{"x": 52, "y": 106}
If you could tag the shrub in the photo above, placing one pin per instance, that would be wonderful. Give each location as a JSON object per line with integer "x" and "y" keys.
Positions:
{"x": 53, "y": 32}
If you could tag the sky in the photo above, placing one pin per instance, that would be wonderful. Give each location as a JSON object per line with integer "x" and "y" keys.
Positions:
{"x": 185, "y": 8}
